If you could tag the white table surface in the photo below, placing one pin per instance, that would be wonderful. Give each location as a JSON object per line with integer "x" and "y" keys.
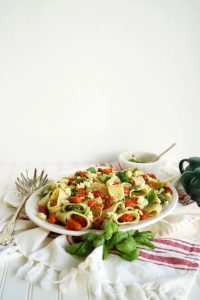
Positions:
{"x": 14, "y": 288}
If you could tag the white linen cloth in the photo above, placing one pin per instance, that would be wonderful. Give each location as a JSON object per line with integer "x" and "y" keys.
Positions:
{"x": 167, "y": 272}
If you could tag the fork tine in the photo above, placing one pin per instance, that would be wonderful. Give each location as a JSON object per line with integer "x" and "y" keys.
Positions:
{"x": 35, "y": 174}
{"x": 41, "y": 175}
{"x": 24, "y": 178}
{"x": 44, "y": 180}
{"x": 20, "y": 188}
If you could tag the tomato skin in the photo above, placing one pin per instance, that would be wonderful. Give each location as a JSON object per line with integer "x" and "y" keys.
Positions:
{"x": 52, "y": 218}
{"x": 144, "y": 176}
{"x": 98, "y": 193}
{"x": 82, "y": 174}
{"x": 152, "y": 184}
{"x": 108, "y": 201}
{"x": 75, "y": 199}
{"x": 145, "y": 215}
{"x": 126, "y": 218}
{"x": 168, "y": 190}
{"x": 92, "y": 203}
{"x": 131, "y": 202}
{"x": 99, "y": 222}
{"x": 81, "y": 192}
{"x": 152, "y": 175}
{"x": 107, "y": 171}
{"x": 80, "y": 220}
{"x": 42, "y": 209}
{"x": 73, "y": 225}
{"x": 126, "y": 191}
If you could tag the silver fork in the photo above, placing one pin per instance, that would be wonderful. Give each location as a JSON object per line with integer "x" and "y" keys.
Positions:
{"x": 26, "y": 186}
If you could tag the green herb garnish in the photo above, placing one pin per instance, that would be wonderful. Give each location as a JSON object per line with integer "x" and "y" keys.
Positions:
{"x": 92, "y": 170}
{"x": 113, "y": 241}
{"x": 123, "y": 175}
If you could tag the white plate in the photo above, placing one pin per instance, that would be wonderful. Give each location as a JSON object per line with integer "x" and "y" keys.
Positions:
{"x": 31, "y": 210}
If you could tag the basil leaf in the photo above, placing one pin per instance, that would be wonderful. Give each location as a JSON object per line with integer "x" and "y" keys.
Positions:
{"x": 72, "y": 249}
{"x": 146, "y": 234}
{"x": 100, "y": 240}
{"x": 109, "y": 228}
{"x": 74, "y": 207}
{"x": 91, "y": 170}
{"x": 144, "y": 241}
{"x": 118, "y": 237}
{"x": 85, "y": 249}
{"x": 127, "y": 246}
{"x": 90, "y": 236}
{"x": 105, "y": 251}
{"x": 151, "y": 197}
{"x": 103, "y": 178}
{"x": 130, "y": 256}
{"x": 163, "y": 198}
{"x": 123, "y": 175}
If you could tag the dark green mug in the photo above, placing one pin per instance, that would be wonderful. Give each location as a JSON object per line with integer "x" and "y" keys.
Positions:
{"x": 193, "y": 163}
{"x": 190, "y": 178}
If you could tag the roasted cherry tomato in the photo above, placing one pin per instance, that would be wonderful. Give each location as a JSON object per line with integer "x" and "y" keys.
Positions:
{"x": 75, "y": 199}
{"x": 99, "y": 170}
{"x": 52, "y": 218}
{"x": 73, "y": 225}
{"x": 144, "y": 176}
{"x": 168, "y": 190}
{"x": 108, "y": 201}
{"x": 107, "y": 171}
{"x": 126, "y": 190}
{"x": 98, "y": 193}
{"x": 42, "y": 209}
{"x": 131, "y": 202}
{"x": 81, "y": 192}
{"x": 92, "y": 203}
{"x": 152, "y": 175}
{"x": 82, "y": 173}
{"x": 145, "y": 215}
{"x": 153, "y": 184}
{"x": 126, "y": 218}
{"x": 98, "y": 223}
{"x": 80, "y": 220}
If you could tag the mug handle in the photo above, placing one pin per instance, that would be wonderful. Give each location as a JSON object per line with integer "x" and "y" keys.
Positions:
{"x": 181, "y": 165}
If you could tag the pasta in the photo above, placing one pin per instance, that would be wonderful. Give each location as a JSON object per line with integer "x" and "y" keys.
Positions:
{"x": 85, "y": 199}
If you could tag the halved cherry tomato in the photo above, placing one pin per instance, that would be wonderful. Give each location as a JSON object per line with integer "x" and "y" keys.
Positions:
{"x": 81, "y": 192}
{"x": 168, "y": 190}
{"x": 108, "y": 201}
{"x": 92, "y": 203}
{"x": 153, "y": 184}
{"x": 42, "y": 209}
{"x": 75, "y": 199}
{"x": 131, "y": 202}
{"x": 152, "y": 175}
{"x": 99, "y": 170}
{"x": 99, "y": 222}
{"x": 126, "y": 191}
{"x": 144, "y": 176}
{"x": 73, "y": 225}
{"x": 145, "y": 215}
{"x": 98, "y": 193}
{"x": 126, "y": 218}
{"x": 107, "y": 171}
{"x": 80, "y": 220}
{"x": 82, "y": 173}
{"x": 52, "y": 218}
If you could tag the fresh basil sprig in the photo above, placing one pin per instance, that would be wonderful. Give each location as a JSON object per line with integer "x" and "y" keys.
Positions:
{"x": 122, "y": 243}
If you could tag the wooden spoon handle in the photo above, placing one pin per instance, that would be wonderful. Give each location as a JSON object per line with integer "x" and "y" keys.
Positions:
{"x": 169, "y": 148}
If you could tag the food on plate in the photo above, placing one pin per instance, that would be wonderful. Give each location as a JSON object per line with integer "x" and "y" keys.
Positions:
{"x": 85, "y": 199}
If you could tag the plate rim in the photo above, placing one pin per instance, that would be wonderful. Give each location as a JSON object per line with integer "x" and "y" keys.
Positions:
{"x": 31, "y": 212}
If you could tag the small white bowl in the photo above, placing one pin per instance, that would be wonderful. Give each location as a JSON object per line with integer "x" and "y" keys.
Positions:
{"x": 146, "y": 157}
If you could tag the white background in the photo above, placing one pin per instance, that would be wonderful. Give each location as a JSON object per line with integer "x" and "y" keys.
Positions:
{"x": 83, "y": 80}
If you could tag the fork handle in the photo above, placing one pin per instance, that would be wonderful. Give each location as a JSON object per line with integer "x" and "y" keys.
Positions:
{"x": 6, "y": 234}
